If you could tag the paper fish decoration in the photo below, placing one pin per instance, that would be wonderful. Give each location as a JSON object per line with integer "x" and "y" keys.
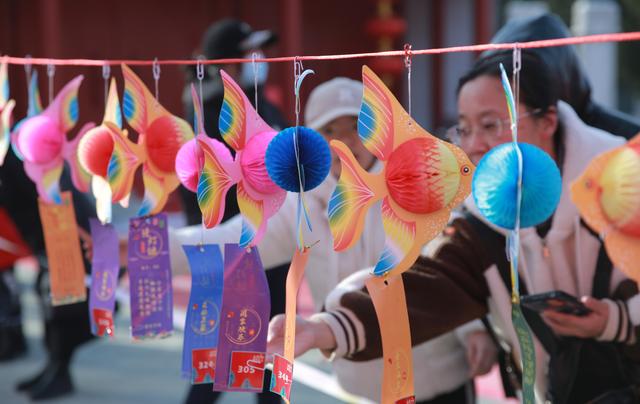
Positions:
{"x": 160, "y": 136}
{"x": 258, "y": 197}
{"x": 6, "y": 108}
{"x": 34, "y": 107}
{"x": 41, "y": 141}
{"x": 422, "y": 180}
{"x": 607, "y": 195}
{"x": 95, "y": 149}
{"x": 190, "y": 158}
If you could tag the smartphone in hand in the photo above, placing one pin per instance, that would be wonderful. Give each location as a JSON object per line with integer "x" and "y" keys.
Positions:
{"x": 555, "y": 300}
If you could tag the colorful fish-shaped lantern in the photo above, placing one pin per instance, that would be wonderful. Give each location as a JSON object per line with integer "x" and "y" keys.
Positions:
{"x": 95, "y": 149}
{"x": 258, "y": 197}
{"x": 160, "y": 136}
{"x": 422, "y": 180}
{"x": 190, "y": 158}
{"x": 41, "y": 141}
{"x": 34, "y": 107}
{"x": 607, "y": 195}
{"x": 6, "y": 108}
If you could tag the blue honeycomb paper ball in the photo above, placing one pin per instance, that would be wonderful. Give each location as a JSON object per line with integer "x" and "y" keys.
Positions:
{"x": 495, "y": 182}
{"x": 315, "y": 159}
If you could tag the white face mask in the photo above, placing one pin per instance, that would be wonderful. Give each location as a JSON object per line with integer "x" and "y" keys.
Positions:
{"x": 247, "y": 72}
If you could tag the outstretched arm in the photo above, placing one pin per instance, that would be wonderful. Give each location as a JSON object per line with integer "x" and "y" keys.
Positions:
{"x": 443, "y": 292}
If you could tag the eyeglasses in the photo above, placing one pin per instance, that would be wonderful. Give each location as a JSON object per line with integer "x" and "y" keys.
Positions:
{"x": 490, "y": 128}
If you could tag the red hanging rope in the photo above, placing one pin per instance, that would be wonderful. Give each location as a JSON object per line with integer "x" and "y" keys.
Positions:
{"x": 617, "y": 37}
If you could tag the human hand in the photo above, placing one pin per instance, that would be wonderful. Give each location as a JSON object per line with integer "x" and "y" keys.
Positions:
{"x": 310, "y": 333}
{"x": 482, "y": 353}
{"x": 589, "y": 326}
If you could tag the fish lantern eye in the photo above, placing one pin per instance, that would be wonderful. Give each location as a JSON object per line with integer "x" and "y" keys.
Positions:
{"x": 465, "y": 170}
{"x": 588, "y": 183}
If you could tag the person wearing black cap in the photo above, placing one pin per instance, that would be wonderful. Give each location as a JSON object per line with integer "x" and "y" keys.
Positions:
{"x": 224, "y": 39}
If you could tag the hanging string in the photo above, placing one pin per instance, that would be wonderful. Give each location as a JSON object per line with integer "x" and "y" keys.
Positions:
{"x": 200, "y": 77}
{"x": 51, "y": 71}
{"x": 156, "y": 76}
{"x": 517, "y": 65}
{"x": 407, "y": 65}
{"x": 298, "y": 76}
{"x": 513, "y": 240}
{"x": 106, "y": 73}
{"x": 254, "y": 56}
{"x": 200, "y": 126}
{"x": 523, "y": 332}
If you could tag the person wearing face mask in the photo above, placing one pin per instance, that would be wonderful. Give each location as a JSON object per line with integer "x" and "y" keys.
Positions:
{"x": 444, "y": 366}
{"x": 578, "y": 358}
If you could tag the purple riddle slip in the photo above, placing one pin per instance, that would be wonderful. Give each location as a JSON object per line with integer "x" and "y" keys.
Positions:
{"x": 150, "y": 277}
{"x": 244, "y": 322}
{"x": 104, "y": 277}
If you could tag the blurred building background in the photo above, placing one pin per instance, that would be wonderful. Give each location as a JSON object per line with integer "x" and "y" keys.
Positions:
{"x": 125, "y": 29}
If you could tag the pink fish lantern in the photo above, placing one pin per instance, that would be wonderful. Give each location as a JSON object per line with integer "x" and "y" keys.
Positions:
{"x": 6, "y": 108}
{"x": 42, "y": 142}
{"x": 190, "y": 158}
{"x": 258, "y": 197}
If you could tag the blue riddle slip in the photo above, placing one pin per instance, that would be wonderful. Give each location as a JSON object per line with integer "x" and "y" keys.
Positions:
{"x": 203, "y": 313}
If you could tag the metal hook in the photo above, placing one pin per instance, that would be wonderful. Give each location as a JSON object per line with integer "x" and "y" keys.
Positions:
{"x": 106, "y": 70}
{"x": 407, "y": 55}
{"x": 27, "y": 68}
{"x": 200, "y": 77}
{"x": 27, "y": 71}
{"x": 51, "y": 71}
{"x": 407, "y": 63}
{"x": 106, "y": 73}
{"x": 517, "y": 65}
{"x": 254, "y": 56}
{"x": 517, "y": 57}
{"x": 156, "y": 76}
{"x": 200, "y": 67}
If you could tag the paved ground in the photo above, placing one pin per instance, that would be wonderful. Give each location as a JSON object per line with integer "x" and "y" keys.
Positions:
{"x": 118, "y": 370}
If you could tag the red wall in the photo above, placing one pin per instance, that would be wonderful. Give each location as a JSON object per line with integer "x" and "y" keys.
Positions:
{"x": 165, "y": 29}
{"x": 126, "y": 29}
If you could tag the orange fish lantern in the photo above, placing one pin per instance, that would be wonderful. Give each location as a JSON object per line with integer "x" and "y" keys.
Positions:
{"x": 95, "y": 149}
{"x": 423, "y": 179}
{"x": 41, "y": 142}
{"x": 607, "y": 195}
{"x": 160, "y": 136}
